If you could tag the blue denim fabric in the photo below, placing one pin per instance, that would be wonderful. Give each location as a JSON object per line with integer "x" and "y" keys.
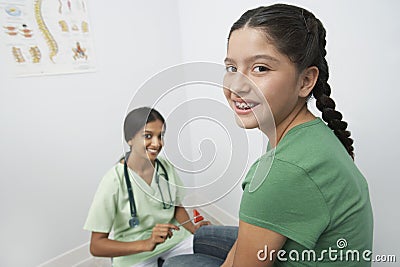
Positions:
{"x": 211, "y": 245}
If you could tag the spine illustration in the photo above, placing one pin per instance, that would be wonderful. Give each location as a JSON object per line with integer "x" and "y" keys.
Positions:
{"x": 51, "y": 42}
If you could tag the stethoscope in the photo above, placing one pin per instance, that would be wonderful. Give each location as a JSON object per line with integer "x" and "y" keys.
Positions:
{"x": 134, "y": 221}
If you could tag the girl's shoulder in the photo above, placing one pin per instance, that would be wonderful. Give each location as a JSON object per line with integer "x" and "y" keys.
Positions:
{"x": 311, "y": 141}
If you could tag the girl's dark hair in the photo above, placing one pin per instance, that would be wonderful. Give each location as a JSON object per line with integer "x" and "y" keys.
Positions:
{"x": 298, "y": 34}
{"x": 138, "y": 118}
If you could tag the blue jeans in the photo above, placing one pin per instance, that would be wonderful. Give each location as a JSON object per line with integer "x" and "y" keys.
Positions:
{"x": 211, "y": 245}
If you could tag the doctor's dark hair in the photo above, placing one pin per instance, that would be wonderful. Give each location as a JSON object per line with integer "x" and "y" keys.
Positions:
{"x": 298, "y": 34}
{"x": 138, "y": 118}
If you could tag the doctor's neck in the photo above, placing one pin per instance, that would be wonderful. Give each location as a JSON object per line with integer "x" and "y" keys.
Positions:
{"x": 140, "y": 163}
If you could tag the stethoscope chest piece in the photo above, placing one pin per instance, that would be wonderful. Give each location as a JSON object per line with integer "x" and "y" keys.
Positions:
{"x": 134, "y": 221}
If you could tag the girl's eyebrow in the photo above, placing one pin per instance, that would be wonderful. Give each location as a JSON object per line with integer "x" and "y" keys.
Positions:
{"x": 266, "y": 57}
{"x": 253, "y": 58}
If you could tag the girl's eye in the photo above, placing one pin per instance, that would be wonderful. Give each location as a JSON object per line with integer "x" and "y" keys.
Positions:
{"x": 260, "y": 69}
{"x": 231, "y": 69}
{"x": 147, "y": 136}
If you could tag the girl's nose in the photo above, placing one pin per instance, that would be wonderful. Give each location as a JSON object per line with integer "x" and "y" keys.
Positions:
{"x": 237, "y": 83}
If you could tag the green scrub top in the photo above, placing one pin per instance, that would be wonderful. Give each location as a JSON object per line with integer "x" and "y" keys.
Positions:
{"x": 110, "y": 210}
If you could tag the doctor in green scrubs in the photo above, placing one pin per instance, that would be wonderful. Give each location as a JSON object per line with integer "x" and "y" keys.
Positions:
{"x": 156, "y": 197}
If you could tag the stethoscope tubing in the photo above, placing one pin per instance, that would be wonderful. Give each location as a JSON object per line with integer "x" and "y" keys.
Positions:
{"x": 134, "y": 221}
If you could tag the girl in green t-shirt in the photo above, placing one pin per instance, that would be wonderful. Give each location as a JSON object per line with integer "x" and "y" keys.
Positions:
{"x": 304, "y": 202}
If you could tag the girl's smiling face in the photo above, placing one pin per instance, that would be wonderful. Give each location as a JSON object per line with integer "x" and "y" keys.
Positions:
{"x": 259, "y": 81}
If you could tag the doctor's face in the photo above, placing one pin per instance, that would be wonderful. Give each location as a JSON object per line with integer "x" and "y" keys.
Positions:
{"x": 148, "y": 142}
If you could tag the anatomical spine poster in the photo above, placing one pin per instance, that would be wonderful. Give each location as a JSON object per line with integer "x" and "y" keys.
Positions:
{"x": 47, "y": 36}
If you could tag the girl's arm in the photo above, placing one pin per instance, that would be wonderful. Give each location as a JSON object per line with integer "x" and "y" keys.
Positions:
{"x": 252, "y": 244}
{"x": 102, "y": 246}
{"x": 181, "y": 216}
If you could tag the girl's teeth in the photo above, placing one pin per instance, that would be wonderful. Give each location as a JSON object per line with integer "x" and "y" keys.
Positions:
{"x": 243, "y": 105}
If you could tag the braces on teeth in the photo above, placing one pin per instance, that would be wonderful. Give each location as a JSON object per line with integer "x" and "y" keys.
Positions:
{"x": 243, "y": 105}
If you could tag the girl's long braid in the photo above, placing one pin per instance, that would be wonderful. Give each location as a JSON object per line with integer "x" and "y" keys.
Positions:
{"x": 324, "y": 103}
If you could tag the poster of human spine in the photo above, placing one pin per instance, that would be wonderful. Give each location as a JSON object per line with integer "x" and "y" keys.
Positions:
{"x": 44, "y": 37}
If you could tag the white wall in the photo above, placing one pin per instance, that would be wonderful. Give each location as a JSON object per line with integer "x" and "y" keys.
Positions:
{"x": 59, "y": 134}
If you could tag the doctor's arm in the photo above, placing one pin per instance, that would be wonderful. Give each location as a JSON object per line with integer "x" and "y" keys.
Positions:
{"x": 102, "y": 246}
{"x": 250, "y": 246}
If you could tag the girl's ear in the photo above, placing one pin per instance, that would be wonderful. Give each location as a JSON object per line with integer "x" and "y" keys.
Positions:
{"x": 308, "y": 79}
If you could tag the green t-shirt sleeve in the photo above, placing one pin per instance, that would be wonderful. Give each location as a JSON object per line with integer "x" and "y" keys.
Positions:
{"x": 104, "y": 206}
{"x": 287, "y": 202}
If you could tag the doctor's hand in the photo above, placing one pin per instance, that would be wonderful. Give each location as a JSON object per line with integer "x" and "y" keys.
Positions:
{"x": 160, "y": 233}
